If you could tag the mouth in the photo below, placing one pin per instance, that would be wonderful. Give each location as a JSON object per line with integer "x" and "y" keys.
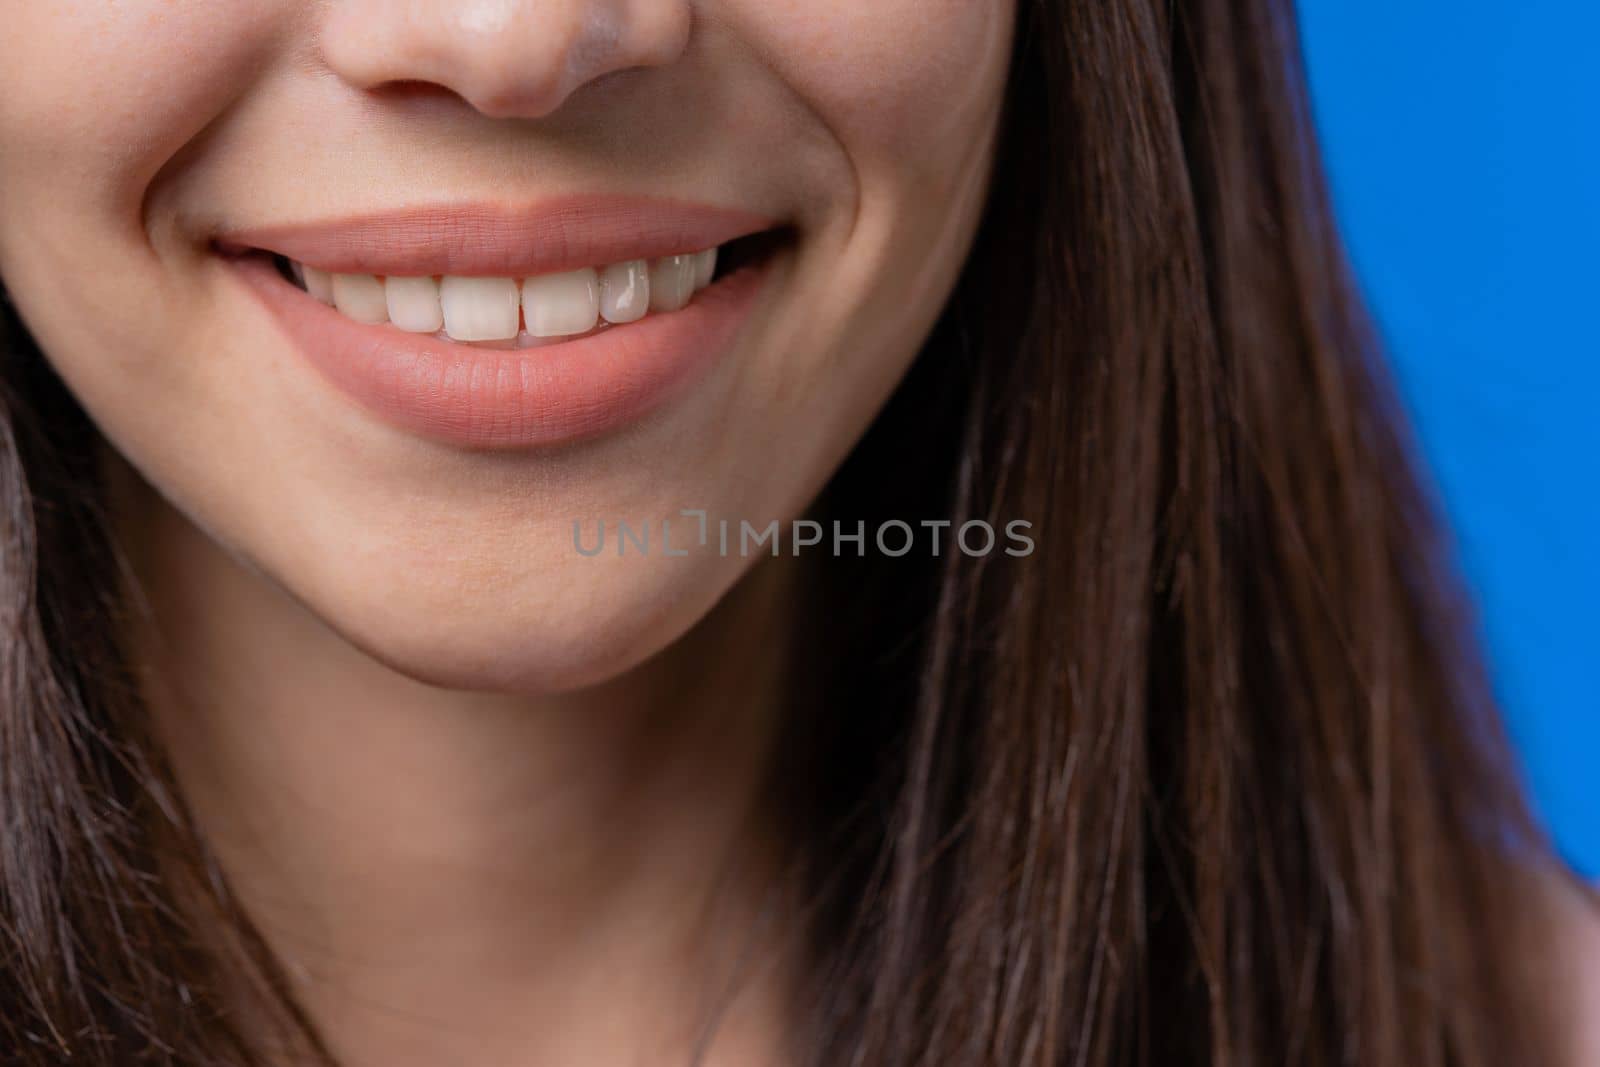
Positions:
{"x": 488, "y": 328}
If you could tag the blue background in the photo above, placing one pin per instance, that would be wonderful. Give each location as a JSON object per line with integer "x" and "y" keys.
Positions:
{"x": 1463, "y": 141}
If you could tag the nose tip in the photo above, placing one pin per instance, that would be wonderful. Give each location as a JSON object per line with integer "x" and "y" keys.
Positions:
{"x": 506, "y": 58}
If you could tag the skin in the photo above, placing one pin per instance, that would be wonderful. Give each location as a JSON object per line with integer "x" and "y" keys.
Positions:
{"x": 1572, "y": 990}
{"x": 492, "y": 801}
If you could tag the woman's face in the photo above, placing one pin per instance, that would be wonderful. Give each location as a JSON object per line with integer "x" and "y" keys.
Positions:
{"x": 415, "y": 482}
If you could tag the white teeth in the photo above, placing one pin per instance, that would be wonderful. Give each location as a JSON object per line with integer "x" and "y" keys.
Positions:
{"x": 705, "y": 266}
{"x": 360, "y": 296}
{"x": 319, "y": 283}
{"x": 479, "y": 309}
{"x": 561, "y": 305}
{"x": 625, "y": 291}
{"x": 414, "y": 304}
{"x": 671, "y": 283}
{"x": 515, "y": 312}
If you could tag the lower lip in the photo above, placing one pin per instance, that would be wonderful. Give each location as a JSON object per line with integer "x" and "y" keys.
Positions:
{"x": 512, "y": 398}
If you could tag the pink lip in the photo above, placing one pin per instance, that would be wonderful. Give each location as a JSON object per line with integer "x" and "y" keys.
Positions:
{"x": 500, "y": 241}
{"x": 507, "y": 398}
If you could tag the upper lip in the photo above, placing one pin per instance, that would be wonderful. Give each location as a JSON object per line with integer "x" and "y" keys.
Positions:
{"x": 503, "y": 240}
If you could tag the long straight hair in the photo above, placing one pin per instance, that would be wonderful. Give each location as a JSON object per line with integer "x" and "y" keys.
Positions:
{"x": 1211, "y": 777}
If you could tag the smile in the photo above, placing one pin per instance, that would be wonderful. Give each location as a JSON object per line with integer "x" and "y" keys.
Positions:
{"x": 524, "y": 313}
{"x": 490, "y": 328}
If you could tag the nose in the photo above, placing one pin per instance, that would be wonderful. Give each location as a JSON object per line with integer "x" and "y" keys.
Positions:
{"x": 507, "y": 58}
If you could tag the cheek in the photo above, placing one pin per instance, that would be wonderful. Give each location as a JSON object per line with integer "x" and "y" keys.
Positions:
{"x": 899, "y": 76}
{"x": 95, "y": 100}
{"x": 97, "y": 96}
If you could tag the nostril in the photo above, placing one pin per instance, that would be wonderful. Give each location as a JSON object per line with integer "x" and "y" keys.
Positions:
{"x": 417, "y": 89}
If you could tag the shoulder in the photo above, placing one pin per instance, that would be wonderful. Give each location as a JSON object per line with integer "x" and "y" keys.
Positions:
{"x": 1573, "y": 910}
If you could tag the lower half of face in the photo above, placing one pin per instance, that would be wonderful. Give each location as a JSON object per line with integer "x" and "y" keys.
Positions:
{"x": 406, "y": 328}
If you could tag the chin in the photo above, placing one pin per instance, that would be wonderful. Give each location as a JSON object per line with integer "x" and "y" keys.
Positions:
{"x": 578, "y": 624}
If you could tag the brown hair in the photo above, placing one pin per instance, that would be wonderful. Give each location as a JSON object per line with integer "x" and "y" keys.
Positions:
{"x": 1213, "y": 776}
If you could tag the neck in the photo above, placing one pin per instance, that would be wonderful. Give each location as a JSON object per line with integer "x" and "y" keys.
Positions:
{"x": 470, "y": 877}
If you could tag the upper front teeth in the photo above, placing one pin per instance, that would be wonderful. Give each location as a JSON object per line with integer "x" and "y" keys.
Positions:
{"x": 478, "y": 309}
{"x": 561, "y": 305}
{"x": 499, "y": 309}
{"x": 625, "y": 291}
